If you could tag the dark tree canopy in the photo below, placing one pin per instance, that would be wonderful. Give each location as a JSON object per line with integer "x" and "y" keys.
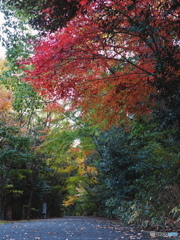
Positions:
{"x": 46, "y": 15}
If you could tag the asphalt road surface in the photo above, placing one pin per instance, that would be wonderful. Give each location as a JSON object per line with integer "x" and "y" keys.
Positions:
{"x": 69, "y": 228}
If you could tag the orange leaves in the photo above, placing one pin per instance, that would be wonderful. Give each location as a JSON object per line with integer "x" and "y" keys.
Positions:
{"x": 6, "y": 107}
{"x": 5, "y": 100}
{"x": 124, "y": 94}
{"x": 5, "y": 96}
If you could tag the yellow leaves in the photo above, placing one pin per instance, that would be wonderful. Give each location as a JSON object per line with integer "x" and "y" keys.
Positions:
{"x": 68, "y": 169}
{"x": 91, "y": 170}
{"x": 5, "y": 99}
{"x": 2, "y": 66}
{"x": 70, "y": 201}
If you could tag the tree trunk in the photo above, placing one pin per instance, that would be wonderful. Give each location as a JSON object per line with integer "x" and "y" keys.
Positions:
{"x": 1, "y": 196}
{"x": 1, "y": 203}
{"x": 9, "y": 206}
{"x": 29, "y": 205}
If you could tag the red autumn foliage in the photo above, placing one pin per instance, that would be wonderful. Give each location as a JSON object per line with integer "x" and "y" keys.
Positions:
{"x": 110, "y": 59}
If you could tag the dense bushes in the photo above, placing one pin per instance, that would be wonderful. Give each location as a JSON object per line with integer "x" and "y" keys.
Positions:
{"x": 138, "y": 175}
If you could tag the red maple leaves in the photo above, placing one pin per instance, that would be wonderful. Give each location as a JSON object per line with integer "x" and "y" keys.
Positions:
{"x": 83, "y": 2}
{"x": 108, "y": 59}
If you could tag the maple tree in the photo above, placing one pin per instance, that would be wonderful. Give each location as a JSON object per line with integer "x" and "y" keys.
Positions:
{"x": 117, "y": 57}
{"x": 112, "y": 60}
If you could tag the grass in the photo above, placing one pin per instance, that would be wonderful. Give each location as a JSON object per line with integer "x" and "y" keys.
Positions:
{"x": 2, "y": 221}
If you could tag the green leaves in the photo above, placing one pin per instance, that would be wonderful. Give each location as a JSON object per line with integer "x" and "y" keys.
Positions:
{"x": 58, "y": 12}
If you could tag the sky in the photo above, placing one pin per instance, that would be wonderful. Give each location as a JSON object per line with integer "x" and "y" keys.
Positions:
{"x": 2, "y": 50}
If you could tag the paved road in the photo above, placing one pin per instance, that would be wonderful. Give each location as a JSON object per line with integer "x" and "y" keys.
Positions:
{"x": 68, "y": 228}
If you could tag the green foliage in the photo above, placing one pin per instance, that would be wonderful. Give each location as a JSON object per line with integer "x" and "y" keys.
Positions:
{"x": 36, "y": 12}
{"x": 15, "y": 153}
{"x": 138, "y": 174}
{"x": 22, "y": 173}
{"x": 17, "y": 35}
{"x": 131, "y": 174}
{"x": 28, "y": 106}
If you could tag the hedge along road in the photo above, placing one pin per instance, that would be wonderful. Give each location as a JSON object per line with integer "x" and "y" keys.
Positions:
{"x": 69, "y": 228}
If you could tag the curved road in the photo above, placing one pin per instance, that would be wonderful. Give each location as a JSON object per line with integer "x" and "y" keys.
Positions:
{"x": 68, "y": 228}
